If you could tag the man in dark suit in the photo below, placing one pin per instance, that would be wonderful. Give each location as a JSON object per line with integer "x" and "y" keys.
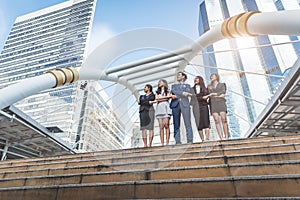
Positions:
{"x": 180, "y": 104}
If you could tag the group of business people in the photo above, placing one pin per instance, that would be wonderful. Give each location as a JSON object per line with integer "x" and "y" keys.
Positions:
{"x": 176, "y": 102}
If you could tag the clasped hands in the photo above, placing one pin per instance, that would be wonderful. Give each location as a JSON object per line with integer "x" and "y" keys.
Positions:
{"x": 216, "y": 95}
{"x": 186, "y": 94}
{"x": 164, "y": 98}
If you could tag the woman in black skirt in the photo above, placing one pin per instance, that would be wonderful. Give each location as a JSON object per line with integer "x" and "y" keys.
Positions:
{"x": 147, "y": 114}
{"x": 200, "y": 107}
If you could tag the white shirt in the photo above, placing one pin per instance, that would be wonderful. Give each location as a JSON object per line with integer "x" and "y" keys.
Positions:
{"x": 198, "y": 89}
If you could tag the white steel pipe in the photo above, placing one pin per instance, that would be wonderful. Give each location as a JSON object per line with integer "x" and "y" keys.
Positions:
{"x": 148, "y": 60}
{"x": 208, "y": 38}
{"x": 275, "y": 23}
{"x": 34, "y": 85}
{"x": 148, "y": 66}
{"x": 122, "y": 81}
{"x": 149, "y": 72}
{"x": 23, "y": 89}
{"x": 169, "y": 73}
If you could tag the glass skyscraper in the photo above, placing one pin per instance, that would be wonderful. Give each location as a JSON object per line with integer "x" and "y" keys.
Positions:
{"x": 56, "y": 37}
{"x": 247, "y": 93}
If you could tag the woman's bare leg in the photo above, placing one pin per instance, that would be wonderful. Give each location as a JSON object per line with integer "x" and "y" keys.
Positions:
{"x": 144, "y": 135}
{"x": 161, "y": 131}
{"x": 151, "y": 135}
{"x": 167, "y": 128}
{"x": 206, "y": 133}
{"x": 218, "y": 125}
{"x": 201, "y": 135}
{"x": 225, "y": 124}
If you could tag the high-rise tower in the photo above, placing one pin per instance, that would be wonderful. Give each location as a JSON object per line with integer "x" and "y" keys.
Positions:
{"x": 247, "y": 93}
{"x": 55, "y": 37}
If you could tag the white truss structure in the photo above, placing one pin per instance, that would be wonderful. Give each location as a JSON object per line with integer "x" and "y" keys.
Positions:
{"x": 165, "y": 65}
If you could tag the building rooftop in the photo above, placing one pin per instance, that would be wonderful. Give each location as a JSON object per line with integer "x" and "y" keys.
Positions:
{"x": 23, "y": 137}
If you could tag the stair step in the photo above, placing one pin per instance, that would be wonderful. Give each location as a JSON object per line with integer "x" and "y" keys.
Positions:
{"x": 244, "y": 186}
{"x": 97, "y": 166}
{"x": 142, "y": 158}
{"x": 235, "y": 143}
{"x": 245, "y": 169}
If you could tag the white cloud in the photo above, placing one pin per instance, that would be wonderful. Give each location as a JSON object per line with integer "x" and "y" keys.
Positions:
{"x": 100, "y": 33}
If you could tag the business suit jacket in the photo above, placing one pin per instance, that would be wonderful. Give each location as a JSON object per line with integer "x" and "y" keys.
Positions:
{"x": 181, "y": 105}
{"x": 144, "y": 102}
{"x": 197, "y": 99}
{"x": 144, "y": 109}
{"x": 178, "y": 90}
{"x": 217, "y": 104}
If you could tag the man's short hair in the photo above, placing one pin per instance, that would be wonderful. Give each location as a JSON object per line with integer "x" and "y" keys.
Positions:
{"x": 183, "y": 74}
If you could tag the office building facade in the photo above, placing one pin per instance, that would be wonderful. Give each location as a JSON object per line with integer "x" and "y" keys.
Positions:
{"x": 51, "y": 38}
{"x": 247, "y": 93}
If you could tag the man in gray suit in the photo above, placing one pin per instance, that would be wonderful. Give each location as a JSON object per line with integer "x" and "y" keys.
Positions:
{"x": 180, "y": 104}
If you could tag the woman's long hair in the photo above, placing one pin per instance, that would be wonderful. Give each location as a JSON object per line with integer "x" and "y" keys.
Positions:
{"x": 210, "y": 86}
{"x": 203, "y": 88}
{"x": 149, "y": 86}
{"x": 166, "y": 88}
{"x": 217, "y": 75}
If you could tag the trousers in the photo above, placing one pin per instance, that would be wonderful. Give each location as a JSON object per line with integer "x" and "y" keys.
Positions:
{"x": 186, "y": 114}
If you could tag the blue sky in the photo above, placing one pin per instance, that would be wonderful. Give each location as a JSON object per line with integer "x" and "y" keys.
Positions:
{"x": 115, "y": 16}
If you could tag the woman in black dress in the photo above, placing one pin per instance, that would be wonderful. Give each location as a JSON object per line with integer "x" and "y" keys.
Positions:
{"x": 200, "y": 107}
{"x": 218, "y": 107}
{"x": 147, "y": 114}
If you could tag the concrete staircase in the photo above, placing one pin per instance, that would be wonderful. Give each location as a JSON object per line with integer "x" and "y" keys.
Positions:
{"x": 243, "y": 168}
